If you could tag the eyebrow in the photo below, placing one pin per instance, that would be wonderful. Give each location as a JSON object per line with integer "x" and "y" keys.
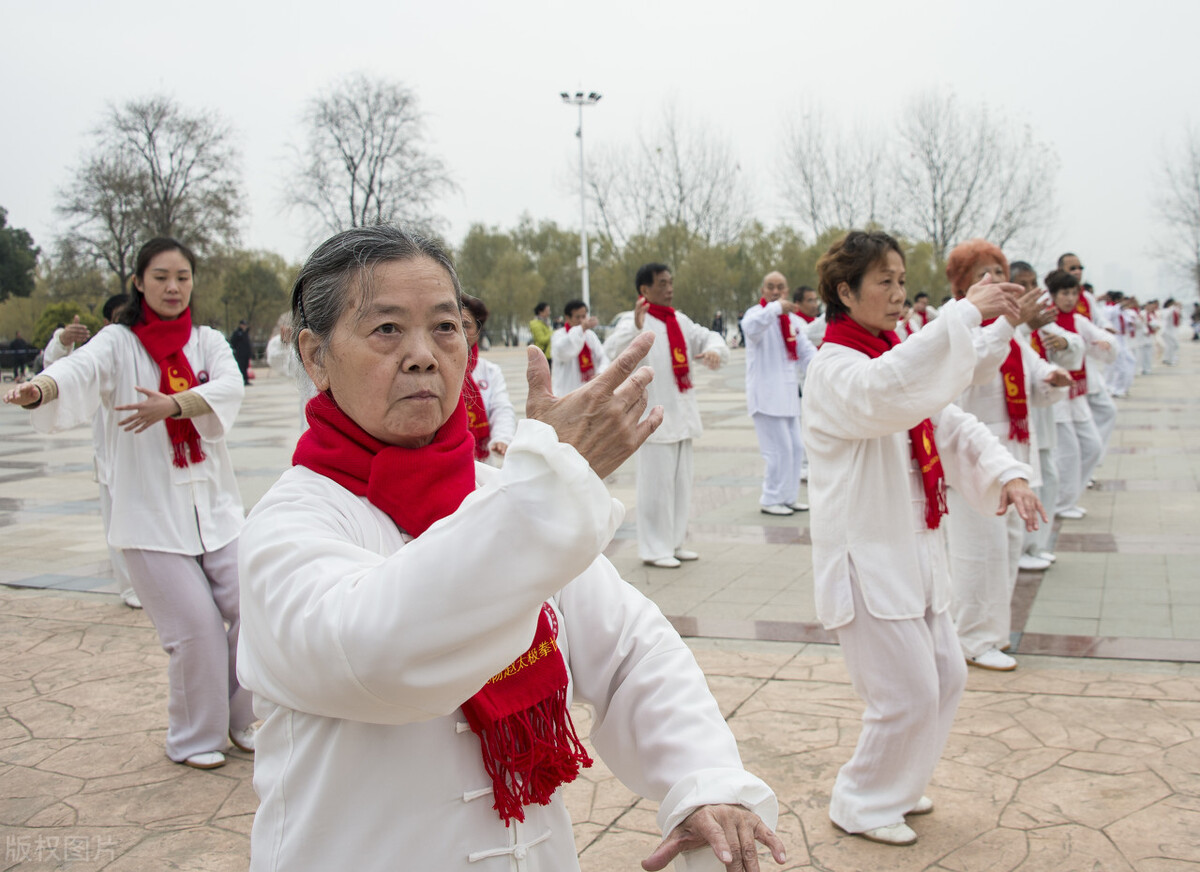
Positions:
{"x": 448, "y": 307}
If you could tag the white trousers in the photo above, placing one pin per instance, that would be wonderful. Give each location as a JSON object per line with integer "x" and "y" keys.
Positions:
{"x": 1120, "y": 373}
{"x": 1039, "y": 540}
{"x": 911, "y": 675}
{"x": 1170, "y": 347}
{"x": 781, "y": 447}
{"x": 664, "y": 495}
{"x": 193, "y": 604}
{"x": 1076, "y": 456}
{"x": 1104, "y": 416}
{"x": 984, "y": 550}
{"x": 115, "y": 556}
{"x": 1145, "y": 356}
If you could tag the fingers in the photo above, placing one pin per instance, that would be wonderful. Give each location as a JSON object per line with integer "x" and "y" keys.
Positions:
{"x": 714, "y": 834}
{"x": 627, "y": 361}
{"x": 537, "y": 376}
{"x": 764, "y": 834}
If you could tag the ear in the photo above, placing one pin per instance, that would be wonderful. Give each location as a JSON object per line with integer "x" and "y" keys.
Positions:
{"x": 845, "y": 294}
{"x": 313, "y": 361}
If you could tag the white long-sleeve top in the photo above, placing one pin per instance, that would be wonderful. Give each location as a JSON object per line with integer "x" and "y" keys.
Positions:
{"x": 565, "y": 345}
{"x": 868, "y": 503}
{"x": 771, "y": 376}
{"x": 988, "y": 403}
{"x": 681, "y": 413}
{"x": 1077, "y": 408}
{"x": 502, "y": 417}
{"x": 1070, "y": 358}
{"x": 361, "y": 644}
{"x": 55, "y": 351}
{"x": 156, "y": 505}
{"x": 815, "y": 330}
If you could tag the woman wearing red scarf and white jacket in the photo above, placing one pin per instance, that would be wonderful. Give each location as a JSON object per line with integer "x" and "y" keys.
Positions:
{"x": 885, "y": 441}
{"x": 416, "y": 624}
{"x": 490, "y": 413}
{"x": 985, "y": 549}
{"x": 172, "y": 391}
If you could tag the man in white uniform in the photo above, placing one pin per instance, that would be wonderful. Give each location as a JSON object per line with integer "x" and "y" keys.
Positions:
{"x": 776, "y": 348}
{"x": 664, "y": 462}
{"x": 576, "y": 354}
{"x": 1104, "y": 411}
{"x": 808, "y": 308}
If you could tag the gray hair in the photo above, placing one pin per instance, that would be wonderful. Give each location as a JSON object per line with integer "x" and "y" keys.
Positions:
{"x": 321, "y": 293}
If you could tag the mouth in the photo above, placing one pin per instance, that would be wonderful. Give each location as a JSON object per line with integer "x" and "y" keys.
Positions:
{"x": 422, "y": 395}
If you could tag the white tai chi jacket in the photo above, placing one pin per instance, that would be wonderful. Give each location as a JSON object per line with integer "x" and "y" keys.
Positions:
{"x": 565, "y": 345}
{"x": 1077, "y": 408}
{"x": 771, "y": 386}
{"x": 361, "y": 644}
{"x": 156, "y": 506}
{"x": 1070, "y": 358}
{"x": 502, "y": 417}
{"x": 681, "y": 413}
{"x": 863, "y": 487}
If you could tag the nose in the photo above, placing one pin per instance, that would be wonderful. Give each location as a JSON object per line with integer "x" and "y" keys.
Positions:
{"x": 417, "y": 354}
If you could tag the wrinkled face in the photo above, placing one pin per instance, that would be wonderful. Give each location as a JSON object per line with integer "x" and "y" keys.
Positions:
{"x": 810, "y": 303}
{"x": 985, "y": 268}
{"x": 662, "y": 291}
{"x": 879, "y": 302}
{"x": 395, "y": 365}
{"x": 774, "y": 286}
{"x": 1067, "y": 299}
{"x": 1072, "y": 265}
{"x": 167, "y": 284}
{"x": 577, "y": 316}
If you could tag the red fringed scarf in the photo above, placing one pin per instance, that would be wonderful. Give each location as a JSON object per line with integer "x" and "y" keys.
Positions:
{"x": 164, "y": 341}
{"x": 526, "y": 735}
{"x": 587, "y": 366}
{"x": 846, "y": 331}
{"x": 785, "y": 327}
{"x": 1066, "y": 320}
{"x": 1012, "y": 372}
{"x": 477, "y": 418}
{"x": 1083, "y": 307}
{"x": 679, "y": 356}
{"x": 1036, "y": 341}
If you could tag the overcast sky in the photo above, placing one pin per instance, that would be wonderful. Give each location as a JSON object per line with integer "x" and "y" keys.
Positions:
{"x": 1108, "y": 85}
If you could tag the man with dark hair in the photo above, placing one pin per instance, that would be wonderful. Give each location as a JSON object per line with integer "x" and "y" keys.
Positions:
{"x": 1104, "y": 411}
{"x": 922, "y": 313}
{"x": 664, "y": 462}
{"x": 242, "y": 349}
{"x": 540, "y": 329}
{"x": 575, "y": 350}
{"x": 808, "y": 310}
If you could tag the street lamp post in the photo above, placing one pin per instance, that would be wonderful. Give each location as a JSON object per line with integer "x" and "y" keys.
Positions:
{"x": 580, "y": 99}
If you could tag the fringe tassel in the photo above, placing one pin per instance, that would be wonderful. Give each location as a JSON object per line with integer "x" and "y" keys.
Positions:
{"x": 935, "y": 508}
{"x": 1018, "y": 429}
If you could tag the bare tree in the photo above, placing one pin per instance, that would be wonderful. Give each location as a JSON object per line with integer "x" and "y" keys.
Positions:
{"x": 365, "y": 160}
{"x": 679, "y": 175}
{"x": 831, "y": 179}
{"x": 960, "y": 175}
{"x": 1179, "y": 205}
{"x": 104, "y": 206}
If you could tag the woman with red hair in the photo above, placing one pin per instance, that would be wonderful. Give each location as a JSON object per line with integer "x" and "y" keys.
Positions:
{"x": 984, "y": 549}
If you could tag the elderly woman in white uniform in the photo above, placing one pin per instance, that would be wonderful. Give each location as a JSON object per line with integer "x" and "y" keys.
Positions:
{"x": 490, "y": 413}
{"x": 171, "y": 392}
{"x": 884, "y": 442}
{"x": 416, "y": 624}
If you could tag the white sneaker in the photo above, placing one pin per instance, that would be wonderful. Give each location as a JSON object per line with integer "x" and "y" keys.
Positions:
{"x": 777, "y": 510}
{"x": 994, "y": 659}
{"x": 243, "y": 740}
{"x": 663, "y": 563}
{"x": 1072, "y": 514}
{"x": 685, "y": 554}
{"x": 208, "y": 760}
{"x": 1046, "y": 555}
{"x": 131, "y": 599}
{"x": 798, "y": 507}
{"x": 924, "y": 806}
{"x": 893, "y": 834}
{"x": 1033, "y": 564}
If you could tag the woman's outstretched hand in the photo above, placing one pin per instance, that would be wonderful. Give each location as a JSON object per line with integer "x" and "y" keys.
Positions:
{"x": 731, "y": 831}
{"x": 602, "y": 419}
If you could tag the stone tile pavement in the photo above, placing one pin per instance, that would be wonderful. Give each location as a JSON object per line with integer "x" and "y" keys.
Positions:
{"x": 1069, "y": 763}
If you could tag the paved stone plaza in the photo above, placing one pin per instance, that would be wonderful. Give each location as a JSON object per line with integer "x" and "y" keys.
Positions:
{"x": 1073, "y": 762}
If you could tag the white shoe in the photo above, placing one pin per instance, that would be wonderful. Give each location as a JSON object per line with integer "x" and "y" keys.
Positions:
{"x": 663, "y": 563}
{"x": 1091, "y": 482}
{"x": 1046, "y": 555}
{"x": 208, "y": 760}
{"x": 994, "y": 659}
{"x": 893, "y": 834}
{"x": 924, "y": 806}
{"x": 1072, "y": 514}
{"x": 804, "y": 473}
{"x": 1033, "y": 564}
{"x": 131, "y": 599}
{"x": 684, "y": 554}
{"x": 243, "y": 740}
{"x": 777, "y": 510}
{"x": 798, "y": 507}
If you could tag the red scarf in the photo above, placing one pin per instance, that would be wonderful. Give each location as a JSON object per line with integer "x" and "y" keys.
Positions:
{"x": 785, "y": 327}
{"x": 587, "y": 366}
{"x": 526, "y": 736}
{"x": 1012, "y": 371}
{"x": 846, "y": 331}
{"x": 164, "y": 341}
{"x": 1066, "y": 320}
{"x": 924, "y": 316}
{"x": 1083, "y": 307}
{"x": 477, "y": 419}
{"x": 679, "y": 356}
{"x": 808, "y": 319}
{"x": 1036, "y": 341}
